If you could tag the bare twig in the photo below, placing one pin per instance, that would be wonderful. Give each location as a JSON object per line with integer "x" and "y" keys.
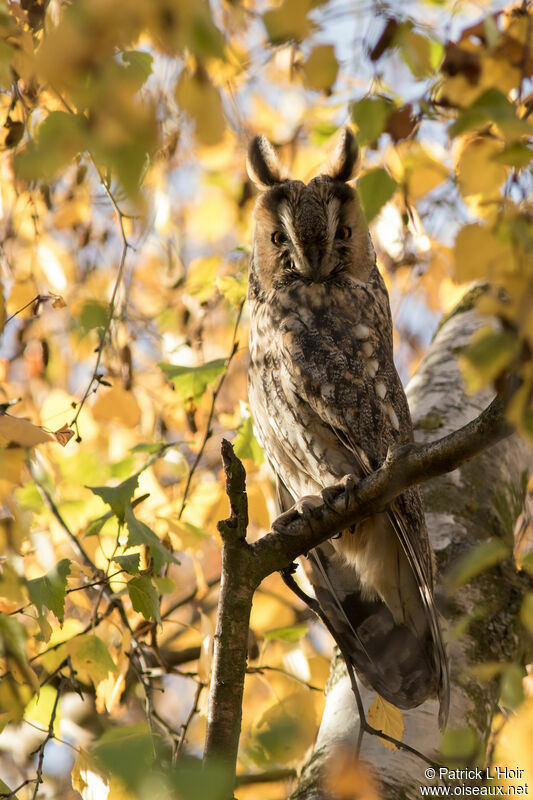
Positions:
{"x": 208, "y": 431}
{"x": 264, "y": 668}
{"x": 42, "y": 746}
{"x": 272, "y": 776}
{"x": 190, "y": 717}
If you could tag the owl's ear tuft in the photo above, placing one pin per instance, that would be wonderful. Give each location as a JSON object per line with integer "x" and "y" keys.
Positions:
{"x": 262, "y": 163}
{"x": 343, "y": 161}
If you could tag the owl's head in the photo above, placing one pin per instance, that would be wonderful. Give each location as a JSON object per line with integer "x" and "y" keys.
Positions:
{"x": 314, "y": 232}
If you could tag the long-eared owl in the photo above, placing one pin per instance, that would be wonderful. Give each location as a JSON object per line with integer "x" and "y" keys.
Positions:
{"x": 327, "y": 402}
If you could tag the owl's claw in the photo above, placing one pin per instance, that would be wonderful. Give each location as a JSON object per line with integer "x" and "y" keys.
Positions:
{"x": 304, "y": 508}
{"x": 331, "y": 493}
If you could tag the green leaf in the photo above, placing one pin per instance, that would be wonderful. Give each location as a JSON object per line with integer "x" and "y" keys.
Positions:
{"x": 245, "y": 445}
{"x": 90, "y": 657}
{"x": 511, "y": 687}
{"x": 126, "y": 751}
{"x": 288, "y": 22}
{"x": 370, "y": 115}
{"x": 139, "y": 64}
{"x": 481, "y": 557}
{"x": 492, "y": 106}
{"x": 488, "y": 357}
{"x": 144, "y": 597}
{"x": 375, "y": 188}
{"x": 421, "y": 54}
{"x": 13, "y": 638}
{"x": 59, "y": 139}
{"x": 94, "y": 315}
{"x": 191, "y": 781}
{"x": 141, "y": 534}
{"x": 49, "y": 590}
{"x": 526, "y": 612}
{"x": 129, "y": 563}
{"x": 288, "y": 633}
{"x": 322, "y": 132}
{"x": 165, "y": 585}
{"x": 193, "y": 381}
{"x": 118, "y": 497}
{"x": 516, "y": 154}
{"x": 95, "y": 525}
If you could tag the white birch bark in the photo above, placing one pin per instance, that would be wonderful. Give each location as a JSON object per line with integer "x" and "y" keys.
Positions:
{"x": 478, "y": 501}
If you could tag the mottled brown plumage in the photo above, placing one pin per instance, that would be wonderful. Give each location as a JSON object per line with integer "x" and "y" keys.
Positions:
{"x": 327, "y": 402}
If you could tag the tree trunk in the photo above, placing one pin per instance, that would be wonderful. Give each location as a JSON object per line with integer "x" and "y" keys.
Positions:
{"x": 476, "y": 502}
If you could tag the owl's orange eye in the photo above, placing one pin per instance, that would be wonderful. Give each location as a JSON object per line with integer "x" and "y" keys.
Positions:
{"x": 344, "y": 232}
{"x": 278, "y": 238}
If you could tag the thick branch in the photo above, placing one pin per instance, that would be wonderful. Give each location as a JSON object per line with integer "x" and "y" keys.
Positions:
{"x": 237, "y": 588}
{"x": 297, "y": 532}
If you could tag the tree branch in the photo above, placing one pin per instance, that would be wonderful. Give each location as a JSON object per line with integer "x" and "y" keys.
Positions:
{"x": 237, "y": 586}
{"x": 298, "y": 531}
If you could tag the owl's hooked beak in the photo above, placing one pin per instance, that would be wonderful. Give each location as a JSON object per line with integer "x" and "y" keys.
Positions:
{"x": 312, "y": 262}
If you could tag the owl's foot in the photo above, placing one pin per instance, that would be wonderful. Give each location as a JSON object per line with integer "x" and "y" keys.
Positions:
{"x": 304, "y": 508}
{"x": 331, "y": 493}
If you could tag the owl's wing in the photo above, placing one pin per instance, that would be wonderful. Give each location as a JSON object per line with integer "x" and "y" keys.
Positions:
{"x": 310, "y": 378}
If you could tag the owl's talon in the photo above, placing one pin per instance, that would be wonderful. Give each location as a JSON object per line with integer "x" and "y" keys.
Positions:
{"x": 329, "y": 496}
{"x": 349, "y": 483}
{"x": 303, "y": 508}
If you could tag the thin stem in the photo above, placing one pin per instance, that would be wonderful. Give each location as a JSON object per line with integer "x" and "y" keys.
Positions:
{"x": 42, "y": 746}
{"x": 208, "y": 431}
{"x": 185, "y": 725}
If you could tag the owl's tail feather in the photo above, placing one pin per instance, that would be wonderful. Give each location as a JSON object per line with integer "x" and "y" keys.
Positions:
{"x": 388, "y": 657}
{"x": 439, "y": 653}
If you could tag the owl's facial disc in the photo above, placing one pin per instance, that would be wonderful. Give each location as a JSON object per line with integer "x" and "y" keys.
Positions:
{"x": 311, "y": 229}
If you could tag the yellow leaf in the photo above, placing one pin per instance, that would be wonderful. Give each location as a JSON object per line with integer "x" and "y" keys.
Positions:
{"x": 268, "y": 612}
{"x": 118, "y": 405}
{"x": 385, "y": 717}
{"x": 22, "y": 432}
{"x": 212, "y": 217}
{"x": 71, "y": 213}
{"x": 321, "y": 68}
{"x": 86, "y": 778}
{"x": 39, "y": 709}
{"x": 416, "y": 168}
{"x": 286, "y": 729}
{"x": 109, "y": 691}
{"x": 513, "y": 746}
{"x": 479, "y": 253}
{"x": 346, "y": 778}
{"x": 477, "y": 171}
{"x": 22, "y": 293}
{"x": 289, "y": 21}
{"x": 11, "y": 465}
{"x": 201, "y": 277}
{"x": 90, "y": 658}
{"x": 207, "y": 505}
{"x": 201, "y": 100}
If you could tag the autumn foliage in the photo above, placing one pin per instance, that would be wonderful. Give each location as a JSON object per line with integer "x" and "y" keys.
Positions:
{"x": 125, "y": 235}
